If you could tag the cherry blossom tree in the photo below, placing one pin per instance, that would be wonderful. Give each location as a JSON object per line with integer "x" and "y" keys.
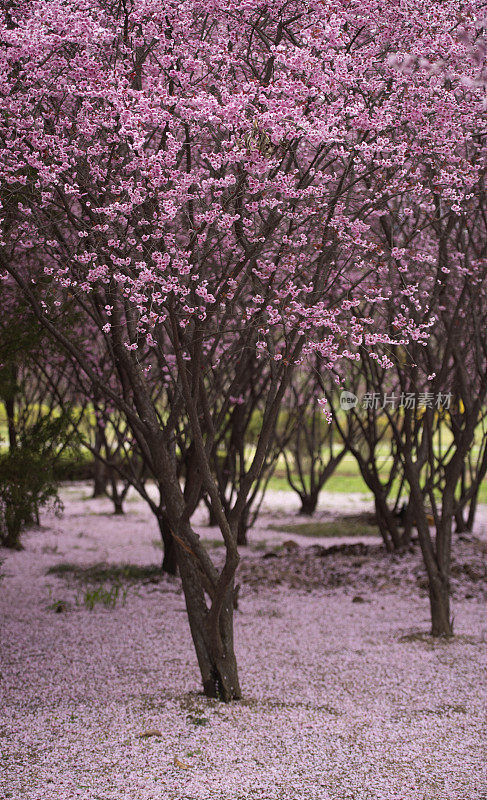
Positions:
{"x": 440, "y": 384}
{"x": 202, "y": 179}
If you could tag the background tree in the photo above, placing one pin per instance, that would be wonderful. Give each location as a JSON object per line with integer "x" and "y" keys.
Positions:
{"x": 311, "y": 444}
{"x": 39, "y": 430}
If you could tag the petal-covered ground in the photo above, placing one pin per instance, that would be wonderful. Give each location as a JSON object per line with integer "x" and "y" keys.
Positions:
{"x": 346, "y": 696}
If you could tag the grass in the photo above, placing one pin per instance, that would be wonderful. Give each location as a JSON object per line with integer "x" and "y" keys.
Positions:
{"x": 213, "y": 544}
{"x": 103, "y": 584}
{"x": 353, "y": 525}
{"x": 92, "y": 595}
{"x": 263, "y": 545}
{"x": 347, "y": 480}
{"x": 113, "y": 573}
{"x": 210, "y": 544}
{"x": 103, "y": 595}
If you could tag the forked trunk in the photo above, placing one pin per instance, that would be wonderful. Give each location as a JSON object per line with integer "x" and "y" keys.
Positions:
{"x": 388, "y": 527}
{"x": 117, "y": 497}
{"x": 308, "y": 503}
{"x": 214, "y": 648}
{"x": 386, "y": 520}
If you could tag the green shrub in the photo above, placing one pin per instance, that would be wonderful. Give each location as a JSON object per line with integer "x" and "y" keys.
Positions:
{"x": 104, "y": 595}
{"x": 27, "y": 481}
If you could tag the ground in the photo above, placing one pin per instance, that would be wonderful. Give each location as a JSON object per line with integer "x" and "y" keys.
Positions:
{"x": 346, "y": 697}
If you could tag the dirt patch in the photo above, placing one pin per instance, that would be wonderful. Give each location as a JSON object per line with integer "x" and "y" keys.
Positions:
{"x": 362, "y": 567}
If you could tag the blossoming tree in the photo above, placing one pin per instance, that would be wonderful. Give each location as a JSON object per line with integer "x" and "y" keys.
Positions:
{"x": 199, "y": 179}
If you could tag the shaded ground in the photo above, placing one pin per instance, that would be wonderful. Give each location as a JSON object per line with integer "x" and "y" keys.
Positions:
{"x": 357, "y": 567}
{"x": 346, "y": 697}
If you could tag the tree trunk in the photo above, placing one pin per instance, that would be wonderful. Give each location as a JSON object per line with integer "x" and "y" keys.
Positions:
{"x": 460, "y": 524}
{"x": 11, "y": 540}
{"x": 408, "y": 522}
{"x": 441, "y": 623}
{"x": 117, "y": 506}
{"x": 12, "y": 433}
{"x": 242, "y": 528}
{"x": 117, "y": 497}
{"x": 436, "y": 556}
{"x": 471, "y": 512}
{"x": 170, "y": 560}
{"x": 308, "y": 503}
{"x": 388, "y": 527}
{"x": 99, "y": 479}
{"x": 212, "y": 520}
{"x": 10, "y": 536}
{"x": 9, "y": 403}
{"x": 214, "y": 649}
{"x": 383, "y": 529}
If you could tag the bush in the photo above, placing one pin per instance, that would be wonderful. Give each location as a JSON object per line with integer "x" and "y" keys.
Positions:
{"x": 71, "y": 467}
{"x": 27, "y": 481}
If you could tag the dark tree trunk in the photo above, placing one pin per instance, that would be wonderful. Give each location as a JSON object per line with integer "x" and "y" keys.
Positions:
{"x": 242, "y": 528}
{"x": 118, "y": 507}
{"x": 9, "y": 402}
{"x": 99, "y": 479}
{"x": 10, "y": 535}
{"x": 408, "y": 521}
{"x": 12, "y": 433}
{"x": 100, "y": 476}
{"x": 393, "y": 539}
{"x": 439, "y": 578}
{"x": 212, "y": 520}
{"x": 170, "y": 560}
{"x": 214, "y": 648}
{"x": 439, "y": 594}
{"x": 471, "y": 512}
{"x": 436, "y": 556}
{"x": 386, "y": 520}
{"x": 117, "y": 497}
{"x": 308, "y": 503}
{"x": 460, "y": 524}
{"x": 383, "y": 527}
